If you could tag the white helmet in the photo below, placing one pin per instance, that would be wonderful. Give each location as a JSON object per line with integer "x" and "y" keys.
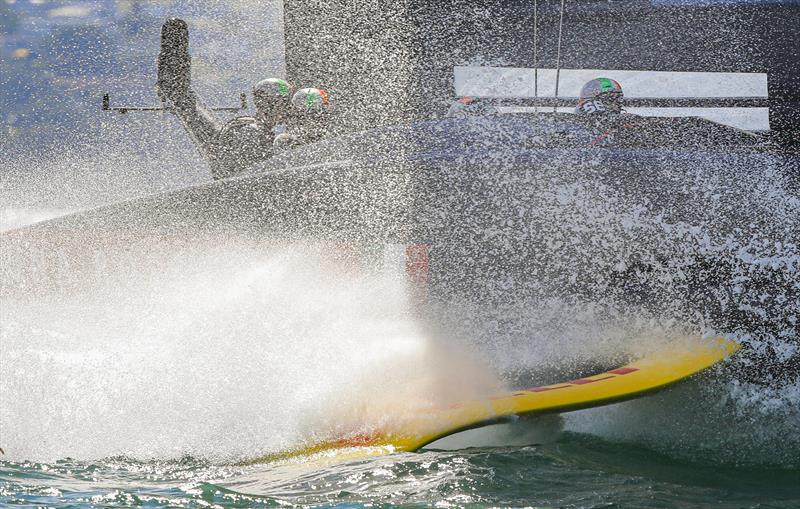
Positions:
{"x": 310, "y": 100}
{"x": 600, "y": 95}
{"x": 273, "y": 88}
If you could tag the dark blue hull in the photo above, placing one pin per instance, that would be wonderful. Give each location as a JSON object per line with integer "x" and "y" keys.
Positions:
{"x": 703, "y": 237}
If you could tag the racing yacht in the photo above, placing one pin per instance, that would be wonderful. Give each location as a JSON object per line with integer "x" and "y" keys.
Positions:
{"x": 680, "y": 219}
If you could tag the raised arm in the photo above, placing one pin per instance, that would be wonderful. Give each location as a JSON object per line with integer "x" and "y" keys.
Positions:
{"x": 174, "y": 87}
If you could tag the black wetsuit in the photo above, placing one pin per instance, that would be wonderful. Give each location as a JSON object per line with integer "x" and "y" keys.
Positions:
{"x": 240, "y": 143}
{"x": 229, "y": 148}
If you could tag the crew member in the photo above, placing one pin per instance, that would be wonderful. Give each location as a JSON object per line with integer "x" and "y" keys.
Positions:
{"x": 246, "y": 140}
{"x": 309, "y": 119}
{"x": 229, "y": 148}
{"x": 469, "y": 106}
{"x": 600, "y": 95}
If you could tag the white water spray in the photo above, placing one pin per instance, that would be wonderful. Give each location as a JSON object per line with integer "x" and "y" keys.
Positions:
{"x": 241, "y": 351}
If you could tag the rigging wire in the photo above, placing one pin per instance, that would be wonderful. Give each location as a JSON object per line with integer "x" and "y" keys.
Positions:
{"x": 558, "y": 54}
{"x": 535, "y": 56}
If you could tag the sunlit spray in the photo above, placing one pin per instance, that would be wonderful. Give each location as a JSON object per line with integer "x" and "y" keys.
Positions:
{"x": 226, "y": 353}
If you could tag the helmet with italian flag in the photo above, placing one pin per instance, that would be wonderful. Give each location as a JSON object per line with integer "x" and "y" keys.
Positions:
{"x": 272, "y": 94}
{"x": 274, "y": 87}
{"x": 310, "y": 119}
{"x": 606, "y": 90}
{"x": 601, "y": 87}
{"x": 310, "y": 101}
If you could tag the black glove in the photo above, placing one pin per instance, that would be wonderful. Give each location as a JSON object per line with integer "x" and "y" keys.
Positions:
{"x": 174, "y": 62}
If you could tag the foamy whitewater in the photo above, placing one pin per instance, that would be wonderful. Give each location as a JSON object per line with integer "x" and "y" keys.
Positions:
{"x": 240, "y": 350}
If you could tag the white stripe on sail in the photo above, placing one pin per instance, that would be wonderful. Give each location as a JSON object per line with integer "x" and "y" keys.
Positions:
{"x": 519, "y": 82}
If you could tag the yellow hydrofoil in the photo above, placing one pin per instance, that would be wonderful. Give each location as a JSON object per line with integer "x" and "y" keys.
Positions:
{"x": 655, "y": 371}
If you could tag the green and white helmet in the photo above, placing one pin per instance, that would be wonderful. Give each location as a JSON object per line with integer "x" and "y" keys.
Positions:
{"x": 600, "y": 95}
{"x": 310, "y": 100}
{"x": 271, "y": 98}
{"x": 273, "y": 88}
{"x": 601, "y": 87}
